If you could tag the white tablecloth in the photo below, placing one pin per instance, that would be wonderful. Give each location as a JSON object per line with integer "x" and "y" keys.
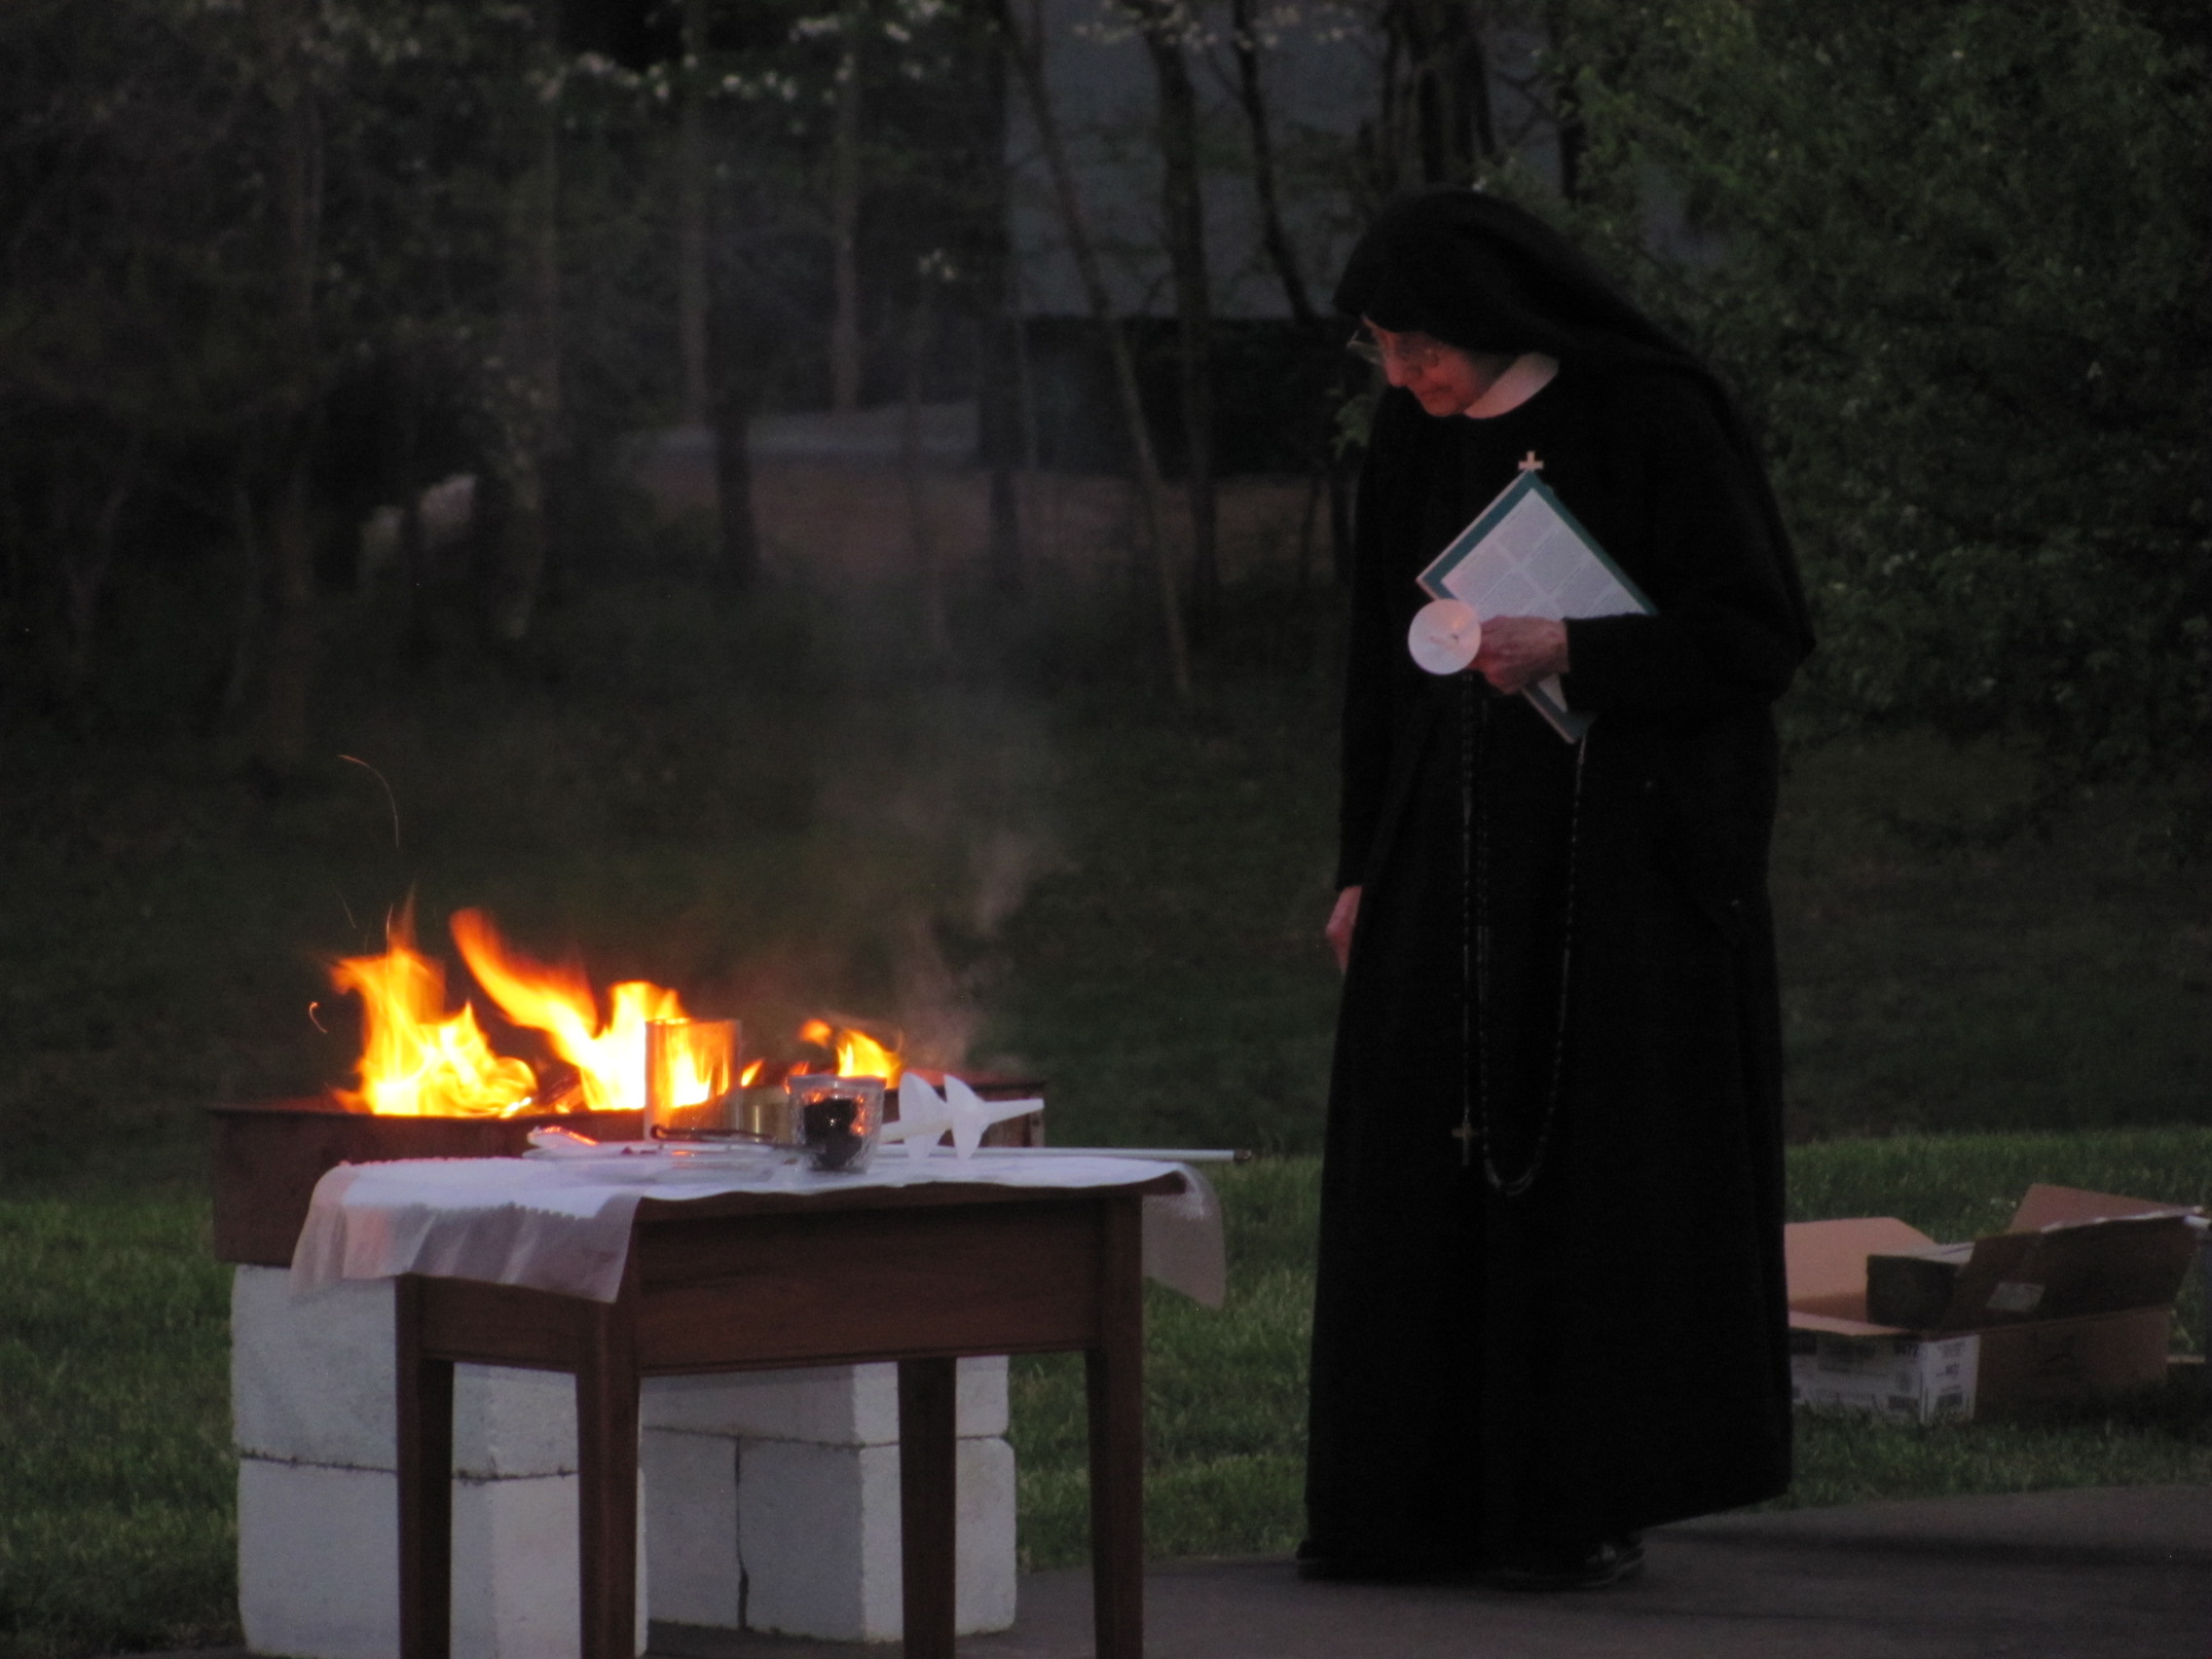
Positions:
{"x": 563, "y": 1224}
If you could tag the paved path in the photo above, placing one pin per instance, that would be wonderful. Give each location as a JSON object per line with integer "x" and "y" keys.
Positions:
{"x": 2099, "y": 1575}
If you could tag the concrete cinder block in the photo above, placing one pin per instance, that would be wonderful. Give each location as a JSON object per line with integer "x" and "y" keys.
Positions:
{"x": 318, "y": 1552}
{"x": 985, "y": 1551}
{"x": 311, "y": 1378}
{"x": 982, "y": 1408}
{"x": 691, "y": 1528}
{"x": 312, "y": 1383}
{"x": 830, "y": 1405}
{"x": 318, "y": 1561}
{"x": 818, "y": 1530}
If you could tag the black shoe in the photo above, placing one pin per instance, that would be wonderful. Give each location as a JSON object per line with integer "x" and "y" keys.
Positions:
{"x": 1609, "y": 1561}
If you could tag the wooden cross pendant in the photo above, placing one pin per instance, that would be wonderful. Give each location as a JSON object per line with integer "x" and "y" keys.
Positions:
{"x": 1530, "y": 463}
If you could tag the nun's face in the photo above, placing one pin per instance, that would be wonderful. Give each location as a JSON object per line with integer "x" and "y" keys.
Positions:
{"x": 1443, "y": 379}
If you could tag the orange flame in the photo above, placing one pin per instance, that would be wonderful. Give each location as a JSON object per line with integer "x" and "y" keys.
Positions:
{"x": 695, "y": 1081}
{"x": 693, "y": 1057}
{"x": 610, "y": 1059}
{"x": 858, "y": 1053}
{"x": 415, "y": 1061}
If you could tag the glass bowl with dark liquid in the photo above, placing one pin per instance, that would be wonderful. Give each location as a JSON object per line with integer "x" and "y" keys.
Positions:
{"x": 835, "y": 1120}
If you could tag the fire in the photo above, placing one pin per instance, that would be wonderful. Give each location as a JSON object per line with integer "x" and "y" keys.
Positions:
{"x": 858, "y": 1053}
{"x": 693, "y": 1080}
{"x": 610, "y": 1058}
{"x": 414, "y": 1060}
{"x": 688, "y": 1061}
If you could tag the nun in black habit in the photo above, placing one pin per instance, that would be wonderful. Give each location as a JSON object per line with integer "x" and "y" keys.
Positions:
{"x": 1550, "y": 1310}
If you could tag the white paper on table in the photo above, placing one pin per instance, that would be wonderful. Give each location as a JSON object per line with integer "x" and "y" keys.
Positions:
{"x": 1525, "y": 555}
{"x": 563, "y": 1224}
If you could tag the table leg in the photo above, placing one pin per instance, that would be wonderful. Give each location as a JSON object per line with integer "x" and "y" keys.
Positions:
{"x": 1114, "y": 1370}
{"x": 607, "y": 1482}
{"x": 423, "y": 1394}
{"x": 929, "y": 1509}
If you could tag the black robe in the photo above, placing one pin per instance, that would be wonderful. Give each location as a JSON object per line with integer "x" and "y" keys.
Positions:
{"x": 1605, "y": 1350}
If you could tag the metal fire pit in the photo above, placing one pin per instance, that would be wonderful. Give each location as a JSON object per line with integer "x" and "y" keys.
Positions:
{"x": 268, "y": 1157}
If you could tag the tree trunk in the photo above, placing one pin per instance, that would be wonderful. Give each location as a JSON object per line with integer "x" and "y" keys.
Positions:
{"x": 1451, "y": 87}
{"x": 1026, "y": 59}
{"x": 1326, "y": 469}
{"x": 1000, "y": 369}
{"x": 1251, "y": 95}
{"x": 1436, "y": 121}
{"x": 1341, "y": 527}
{"x": 733, "y": 491}
{"x": 1566, "y": 101}
{"x": 87, "y": 557}
{"x": 844, "y": 219}
{"x": 533, "y": 439}
{"x": 1183, "y": 210}
{"x": 691, "y": 217}
{"x": 238, "y": 674}
{"x": 733, "y": 368}
{"x": 1006, "y": 558}
{"x": 921, "y": 534}
{"x": 287, "y": 684}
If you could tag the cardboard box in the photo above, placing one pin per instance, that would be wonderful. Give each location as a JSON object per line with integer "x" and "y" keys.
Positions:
{"x": 2073, "y": 1301}
{"x": 1918, "y": 1379}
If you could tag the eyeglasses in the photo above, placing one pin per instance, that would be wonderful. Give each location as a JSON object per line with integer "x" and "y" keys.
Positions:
{"x": 1414, "y": 354}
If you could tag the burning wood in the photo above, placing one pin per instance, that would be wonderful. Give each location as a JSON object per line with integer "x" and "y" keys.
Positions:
{"x": 418, "y": 1060}
{"x": 610, "y": 1058}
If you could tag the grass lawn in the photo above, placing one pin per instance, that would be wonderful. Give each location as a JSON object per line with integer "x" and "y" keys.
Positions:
{"x": 117, "y": 1480}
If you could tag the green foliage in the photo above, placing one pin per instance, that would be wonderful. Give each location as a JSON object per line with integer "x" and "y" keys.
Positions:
{"x": 1960, "y": 254}
{"x": 1940, "y": 974}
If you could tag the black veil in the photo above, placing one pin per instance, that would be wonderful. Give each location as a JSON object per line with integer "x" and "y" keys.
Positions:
{"x": 1487, "y": 276}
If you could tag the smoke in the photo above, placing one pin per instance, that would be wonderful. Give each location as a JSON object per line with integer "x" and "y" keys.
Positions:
{"x": 938, "y": 819}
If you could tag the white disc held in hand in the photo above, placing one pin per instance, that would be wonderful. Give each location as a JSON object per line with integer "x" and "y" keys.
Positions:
{"x": 1444, "y": 636}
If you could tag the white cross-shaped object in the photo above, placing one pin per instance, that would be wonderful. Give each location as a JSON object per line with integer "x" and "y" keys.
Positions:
{"x": 924, "y": 1115}
{"x": 1530, "y": 463}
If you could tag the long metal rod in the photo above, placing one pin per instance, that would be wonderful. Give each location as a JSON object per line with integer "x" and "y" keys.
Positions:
{"x": 1157, "y": 1154}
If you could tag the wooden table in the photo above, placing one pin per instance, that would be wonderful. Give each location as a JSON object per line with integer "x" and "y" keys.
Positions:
{"x": 919, "y": 1274}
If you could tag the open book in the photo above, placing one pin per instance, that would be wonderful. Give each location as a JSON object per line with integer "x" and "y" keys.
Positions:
{"x": 1524, "y": 555}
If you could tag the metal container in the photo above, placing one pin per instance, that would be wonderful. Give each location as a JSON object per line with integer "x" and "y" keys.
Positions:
{"x": 268, "y": 1157}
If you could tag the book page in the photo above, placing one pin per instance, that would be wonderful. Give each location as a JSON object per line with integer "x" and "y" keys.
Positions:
{"x": 1533, "y": 563}
{"x": 1525, "y": 556}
